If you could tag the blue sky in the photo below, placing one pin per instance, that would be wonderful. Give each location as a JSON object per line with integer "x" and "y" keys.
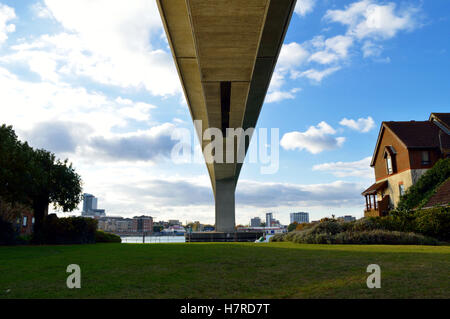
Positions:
{"x": 94, "y": 81}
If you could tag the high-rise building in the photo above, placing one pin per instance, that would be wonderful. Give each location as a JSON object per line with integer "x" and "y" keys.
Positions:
{"x": 300, "y": 217}
{"x": 90, "y": 207}
{"x": 269, "y": 219}
{"x": 255, "y": 222}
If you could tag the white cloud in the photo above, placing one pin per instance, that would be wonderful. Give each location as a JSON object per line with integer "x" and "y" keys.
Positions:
{"x": 25, "y": 103}
{"x": 362, "y": 125}
{"x": 371, "y": 49}
{"x": 152, "y": 145}
{"x": 332, "y": 49}
{"x": 292, "y": 55}
{"x": 367, "y": 22}
{"x": 315, "y": 140}
{"x": 6, "y": 14}
{"x": 317, "y": 75}
{"x": 303, "y": 7}
{"x": 111, "y": 42}
{"x": 367, "y": 19}
{"x": 277, "y": 96}
{"x": 41, "y": 10}
{"x": 359, "y": 168}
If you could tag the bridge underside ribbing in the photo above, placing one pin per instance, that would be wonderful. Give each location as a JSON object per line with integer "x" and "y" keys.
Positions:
{"x": 225, "y": 52}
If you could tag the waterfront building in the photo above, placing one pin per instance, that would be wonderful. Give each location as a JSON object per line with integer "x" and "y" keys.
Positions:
{"x": 142, "y": 224}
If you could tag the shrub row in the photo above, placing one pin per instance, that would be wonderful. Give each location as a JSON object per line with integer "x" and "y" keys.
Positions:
{"x": 371, "y": 237}
{"x": 69, "y": 230}
{"x": 102, "y": 237}
{"x": 420, "y": 227}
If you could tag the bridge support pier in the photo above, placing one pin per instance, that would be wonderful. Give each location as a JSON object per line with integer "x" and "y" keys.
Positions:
{"x": 225, "y": 205}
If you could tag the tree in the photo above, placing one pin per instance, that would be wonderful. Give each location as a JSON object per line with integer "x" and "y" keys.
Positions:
{"x": 36, "y": 178}
{"x": 14, "y": 167}
{"x": 292, "y": 226}
{"x": 53, "y": 181}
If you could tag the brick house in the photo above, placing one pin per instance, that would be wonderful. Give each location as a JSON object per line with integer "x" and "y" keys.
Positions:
{"x": 20, "y": 216}
{"x": 403, "y": 152}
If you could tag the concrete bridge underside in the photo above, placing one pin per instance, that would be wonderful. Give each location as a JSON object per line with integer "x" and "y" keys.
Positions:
{"x": 225, "y": 53}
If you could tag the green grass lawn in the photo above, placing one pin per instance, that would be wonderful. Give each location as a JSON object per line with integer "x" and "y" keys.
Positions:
{"x": 229, "y": 270}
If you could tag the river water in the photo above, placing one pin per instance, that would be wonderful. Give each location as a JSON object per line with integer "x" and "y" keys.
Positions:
{"x": 153, "y": 239}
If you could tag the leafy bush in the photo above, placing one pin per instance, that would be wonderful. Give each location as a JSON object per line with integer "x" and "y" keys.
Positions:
{"x": 366, "y": 237}
{"x": 418, "y": 194}
{"x": 302, "y": 226}
{"x": 69, "y": 230}
{"x": 434, "y": 222}
{"x": 326, "y": 227}
{"x": 102, "y": 237}
{"x": 279, "y": 237}
{"x": 389, "y": 230}
{"x": 292, "y": 226}
{"x": 383, "y": 237}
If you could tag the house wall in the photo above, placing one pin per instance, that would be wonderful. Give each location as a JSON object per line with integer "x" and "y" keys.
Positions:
{"x": 415, "y": 157}
{"x": 402, "y": 161}
{"x": 407, "y": 178}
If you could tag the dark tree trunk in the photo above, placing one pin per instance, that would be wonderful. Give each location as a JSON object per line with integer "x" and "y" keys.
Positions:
{"x": 40, "y": 208}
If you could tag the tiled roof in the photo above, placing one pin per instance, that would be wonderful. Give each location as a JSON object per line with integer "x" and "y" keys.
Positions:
{"x": 444, "y": 118}
{"x": 374, "y": 188}
{"x": 416, "y": 134}
{"x": 441, "y": 197}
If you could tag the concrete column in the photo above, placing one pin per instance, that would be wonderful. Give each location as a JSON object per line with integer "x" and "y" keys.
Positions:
{"x": 225, "y": 207}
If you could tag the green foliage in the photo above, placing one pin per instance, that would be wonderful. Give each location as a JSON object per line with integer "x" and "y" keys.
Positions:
{"x": 55, "y": 181}
{"x": 292, "y": 226}
{"x": 36, "y": 178}
{"x": 329, "y": 226}
{"x": 418, "y": 194}
{"x": 103, "y": 237}
{"x": 382, "y": 237}
{"x": 14, "y": 166}
{"x": 366, "y": 237}
{"x": 69, "y": 230}
{"x": 390, "y": 230}
{"x": 434, "y": 222}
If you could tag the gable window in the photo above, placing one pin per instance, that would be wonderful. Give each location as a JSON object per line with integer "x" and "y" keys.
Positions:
{"x": 389, "y": 157}
{"x": 389, "y": 167}
{"x": 426, "y": 158}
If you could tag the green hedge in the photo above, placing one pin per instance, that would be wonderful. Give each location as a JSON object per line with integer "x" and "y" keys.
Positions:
{"x": 102, "y": 237}
{"x": 434, "y": 222}
{"x": 371, "y": 237}
{"x": 391, "y": 230}
{"x": 69, "y": 230}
